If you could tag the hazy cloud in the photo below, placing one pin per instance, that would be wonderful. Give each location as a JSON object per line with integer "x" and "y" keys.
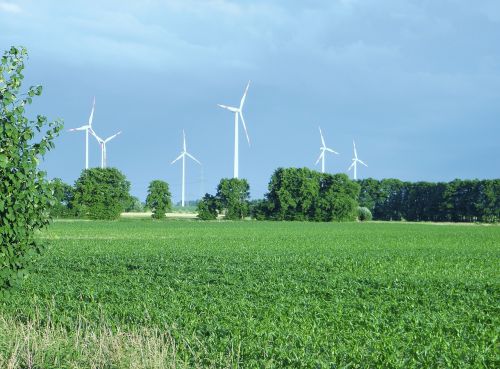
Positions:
{"x": 10, "y": 8}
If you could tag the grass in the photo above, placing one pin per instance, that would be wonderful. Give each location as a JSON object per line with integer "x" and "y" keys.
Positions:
{"x": 143, "y": 294}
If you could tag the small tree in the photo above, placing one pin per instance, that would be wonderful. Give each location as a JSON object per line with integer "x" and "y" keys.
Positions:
{"x": 101, "y": 193}
{"x": 134, "y": 205}
{"x": 364, "y": 214}
{"x": 233, "y": 197}
{"x": 63, "y": 194}
{"x": 25, "y": 194}
{"x": 207, "y": 207}
{"x": 159, "y": 199}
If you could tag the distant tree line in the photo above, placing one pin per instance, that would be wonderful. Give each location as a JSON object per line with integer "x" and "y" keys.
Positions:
{"x": 456, "y": 201}
{"x": 298, "y": 194}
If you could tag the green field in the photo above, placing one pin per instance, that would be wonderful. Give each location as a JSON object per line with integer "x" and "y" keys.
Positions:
{"x": 138, "y": 293}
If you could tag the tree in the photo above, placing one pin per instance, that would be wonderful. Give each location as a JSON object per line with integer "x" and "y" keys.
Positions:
{"x": 63, "y": 194}
{"x": 134, "y": 205}
{"x": 159, "y": 199}
{"x": 337, "y": 199}
{"x": 207, "y": 207}
{"x": 233, "y": 195}
{"x": 100, "y": 193}
{"x": 25, "y": 194}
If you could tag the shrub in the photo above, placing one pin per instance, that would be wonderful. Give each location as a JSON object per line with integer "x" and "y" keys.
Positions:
{"x": 134, "y": 205}
{"x": 100, "y": 193}
{"x": 208, "y": 207}
{"x": 159, "y": 199}
{"x": 364, "y": 214}
{"x": 25, "y": 194}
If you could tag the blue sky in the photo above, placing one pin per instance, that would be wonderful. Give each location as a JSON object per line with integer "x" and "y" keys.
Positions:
{"x": 415, "y": 83}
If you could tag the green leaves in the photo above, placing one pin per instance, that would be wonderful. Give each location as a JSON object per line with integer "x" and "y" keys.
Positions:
{"x": 24, "y": 193}
{"x": 159, "y": 199}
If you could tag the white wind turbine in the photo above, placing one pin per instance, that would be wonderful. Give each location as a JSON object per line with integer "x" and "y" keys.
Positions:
{"x": 102, "y": 143}
{"x": 238, "y": 113}
{"x": 87, "y": 128}
{"x": 355, "y": 160}
{"x": 182, "y": 156}
{"x": 323, "y": 149}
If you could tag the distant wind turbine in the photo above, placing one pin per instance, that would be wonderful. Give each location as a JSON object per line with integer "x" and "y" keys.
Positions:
{"x": 238, "y": 113}
{"x": 323, "y": 149}
{"x": 182, "y": 156}
{"x": 355, "y": 160}
{"x": 87, "y": 128}
{"x": 102, "y": 143}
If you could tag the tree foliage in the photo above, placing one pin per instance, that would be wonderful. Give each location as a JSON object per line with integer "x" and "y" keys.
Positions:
{"x": 100, "y": 193}
{"x": 304, "y": 194}
{"x": 63, "y": 196}
{"x": 25, "y": 194}
{"x": 456, "y": 201}
{"x": 208, "y": 207}
{"x": 232, "y": 195}
{"x": 159, "y": 199}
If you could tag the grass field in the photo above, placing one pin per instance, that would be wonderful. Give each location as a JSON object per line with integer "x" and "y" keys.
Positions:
{"x": 179, "y": 293}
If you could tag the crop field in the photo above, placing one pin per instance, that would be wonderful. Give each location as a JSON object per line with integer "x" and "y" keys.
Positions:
{"x": 180, "y": 293}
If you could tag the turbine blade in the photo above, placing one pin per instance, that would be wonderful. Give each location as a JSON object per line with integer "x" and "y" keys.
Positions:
{"x": 244, "y": 96}
{"x": 320, "y": 157}
{"x": 330, "y": 150}
{"x": 111, "y": 137}
{"x": 82, "y": 128}
{"x": 92, "y": 113}
{"x": 178, "y": 158}
{"x": 92, "y": 132}
{"x": 355, "y": 153}
{"x": 184, "y": 140}
{"x": 351, "y": 166}
{"x": 244, "y": 127}
{"x": 322, "y": 138}
{"x": 192, "y": 157}
{"x": 361, "y": 162}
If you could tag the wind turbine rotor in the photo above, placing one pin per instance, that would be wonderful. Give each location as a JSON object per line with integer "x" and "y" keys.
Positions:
{"x": 244, "y": 127}
{"x": 244, "y": 96}
{"x": 178, "y": 158}
{"x": 192, "y": 157}
{"x": 322, "y": 138}
{"x": 320, "y": 156}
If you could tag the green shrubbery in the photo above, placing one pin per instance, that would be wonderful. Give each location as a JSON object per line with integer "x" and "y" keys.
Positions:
{"x": 25, "y": 194}
{"x": 208, "y": 207}
{"x": 364, "y": 214}
{"x": 101, "y": 193}
{"x": 231, "y": 200}
{"x": 159, "y": 199}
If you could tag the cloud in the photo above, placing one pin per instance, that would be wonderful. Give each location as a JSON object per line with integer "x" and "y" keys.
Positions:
{"x": 10, "y": 8}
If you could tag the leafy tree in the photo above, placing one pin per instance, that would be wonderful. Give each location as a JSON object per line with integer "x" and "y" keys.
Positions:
{"x": 207, "y": 207}
{"x": 101, "y": 193}
{"x": 159, "y": 199}
{"x": 25, "y": 194}
{"x": 337, "y": 199}
{"x": 63, "y": 194}
{"x": 233, "y": 195}
{"x": 259, "y": 209}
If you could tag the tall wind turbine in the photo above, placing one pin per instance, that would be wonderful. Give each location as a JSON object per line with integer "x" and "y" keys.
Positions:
{"x": 238, "y": 113}
{"x": 102, "y": 143}
{"x": 355, "y": 160}
{"x": 323, "y": 149}
{"x": 87, "y": 128}
{"x": 182, "y": 156}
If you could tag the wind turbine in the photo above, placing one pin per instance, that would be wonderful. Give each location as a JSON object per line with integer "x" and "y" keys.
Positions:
{"x": 87, "y": 128}
{"x": 355, "y": 160}
{"x": 323, "y": 149}
{"x": 238, "y": 113}
{"x": 102, "y": 143}
{"x": 182, "y": 156}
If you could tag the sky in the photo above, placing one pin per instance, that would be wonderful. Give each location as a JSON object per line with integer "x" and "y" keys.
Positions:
{"x": 416, "y": 83}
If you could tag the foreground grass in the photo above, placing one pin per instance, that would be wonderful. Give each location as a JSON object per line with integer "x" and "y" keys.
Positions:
{"x": 138, "y": 293}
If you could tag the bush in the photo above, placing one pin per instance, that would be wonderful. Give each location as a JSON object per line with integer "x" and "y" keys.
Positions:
{"x": 25, "y": 194}
{"x": 134, "y": 205}
{"x": 364, "y": 214}
{"x": 208, "y": 207}
{"x": 259, "y": 209}
{"x": 159, "y": 199}
{"x": 100, "y": 193}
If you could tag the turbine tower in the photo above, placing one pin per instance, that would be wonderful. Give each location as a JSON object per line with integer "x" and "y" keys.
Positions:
{"x": 102, "y": 143}
{"x": 323, "y": 149}
{"x": 87, "y": 128}
{"x": 182, "y": 156}
{"x": 238, "y": 113}
{"x": 355, "y": 160}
